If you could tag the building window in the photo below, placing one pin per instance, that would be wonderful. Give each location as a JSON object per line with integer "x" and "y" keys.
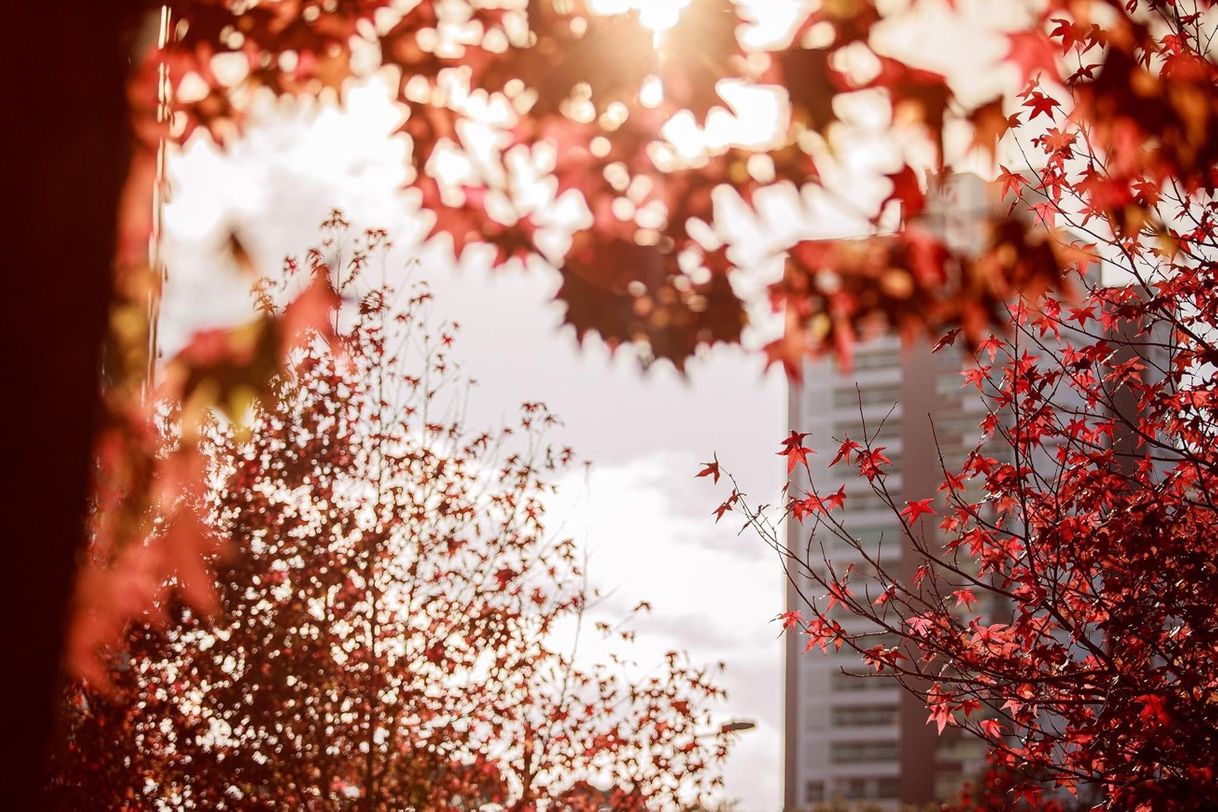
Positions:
{"x": 871, "y": 395}
{"x": 877, "y": 359}
{"x": 865, "y": 501}
{"x": 846, "y": 682}
{"x": 868, "y": 788}
{"x": 966, "y": 425}
{"x": 864, "y": 752}
{"x": 872, "y": 536}
{"x": 882, "y": 543}
{"x": 814, "y": 792}
{"x": 878, "y": 430}
{"x": 862, "y": 715}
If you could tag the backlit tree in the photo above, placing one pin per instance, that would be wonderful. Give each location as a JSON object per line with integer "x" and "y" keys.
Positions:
{"x": 394, "y": 617}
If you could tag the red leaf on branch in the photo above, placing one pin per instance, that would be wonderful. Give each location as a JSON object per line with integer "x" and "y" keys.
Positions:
{"x": 915, "y": 509}
{"x": 847, "y": 448}
{"x": 1041, "y": 104}
{"x": 794, "y": 450}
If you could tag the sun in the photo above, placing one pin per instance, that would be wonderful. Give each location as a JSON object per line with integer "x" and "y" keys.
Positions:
{"x": 658, "y": 15}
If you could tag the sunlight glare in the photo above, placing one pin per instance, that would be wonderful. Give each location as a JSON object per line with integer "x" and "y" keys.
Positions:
{"x": 756, "y": 116}
{"x": 757, "y": 119}
{"x": 658, "y": 15}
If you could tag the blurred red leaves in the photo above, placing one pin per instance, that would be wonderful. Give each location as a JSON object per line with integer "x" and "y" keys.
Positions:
{"x": 548, "y": 59}
{"x": 148, "y": 538}
{"x": 1129, "y": 112}
{"x": 1033, "y": 53}
{"x": 697, "y": 53}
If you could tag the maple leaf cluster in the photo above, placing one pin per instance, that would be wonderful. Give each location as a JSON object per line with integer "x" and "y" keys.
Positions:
{"x": 382, "y": 631}
{"x": 571, "y": 90}
{"x": 1055, "y": 599}
{"x": 576, "y": 99}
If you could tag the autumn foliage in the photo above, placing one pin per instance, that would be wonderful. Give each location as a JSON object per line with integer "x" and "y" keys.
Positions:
{"x": 1101, "y": 564}
{"x": 1059, "y": 601}
{"x": 539, "y": 101}
{"x": 396, "y": 624}
{"x": 584, "y": 99}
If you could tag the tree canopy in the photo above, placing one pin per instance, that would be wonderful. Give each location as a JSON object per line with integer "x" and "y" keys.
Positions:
{"x": 396, "y": 621}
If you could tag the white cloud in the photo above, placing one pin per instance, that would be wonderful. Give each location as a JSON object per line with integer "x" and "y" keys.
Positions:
{"x": 647, "y": 526}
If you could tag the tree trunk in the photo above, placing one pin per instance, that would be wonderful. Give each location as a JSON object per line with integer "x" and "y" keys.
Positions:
{"x": 66, "y": 121}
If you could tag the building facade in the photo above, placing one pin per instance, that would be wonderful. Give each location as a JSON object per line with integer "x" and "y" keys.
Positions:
{"x": 866, "y": 742}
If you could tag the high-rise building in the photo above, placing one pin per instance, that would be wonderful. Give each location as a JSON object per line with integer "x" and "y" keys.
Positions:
{"x": 865, "y": 741}
{"x": 849, "y": 738}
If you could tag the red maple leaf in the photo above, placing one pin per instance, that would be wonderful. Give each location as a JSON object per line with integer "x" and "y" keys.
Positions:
{"x": 794, "y": 450}
{"x": 726, "y": 506}
{"x": 906, "y": 190}
{"x": 1040, "y": 103}
{"x": 870, "y": 462}
{"x": 1154, "y": 707}
{"x": 991, "y": 728}
{"x": 940, "y": 709}
{"x": 835, "y": 500}
{"x": 802, "y": 508}
{"x": 965, "y": 598}
{"x": 1032, "y": 52}
{"x": 1010, "y": 181}
{"x": 848, "y": 447}
{"x": 914, "y": 509}
{"x": 948, "y": 339}
{"x": 1065, "y": 31}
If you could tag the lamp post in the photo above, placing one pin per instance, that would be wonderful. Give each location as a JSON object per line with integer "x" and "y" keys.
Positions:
{"x": 738, "y": 726}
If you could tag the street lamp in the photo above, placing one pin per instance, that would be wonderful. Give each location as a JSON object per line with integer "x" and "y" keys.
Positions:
{"x": 738, "y": 726}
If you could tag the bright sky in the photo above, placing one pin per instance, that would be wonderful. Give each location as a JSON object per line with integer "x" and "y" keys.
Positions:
{"x": 646, "y": 520}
